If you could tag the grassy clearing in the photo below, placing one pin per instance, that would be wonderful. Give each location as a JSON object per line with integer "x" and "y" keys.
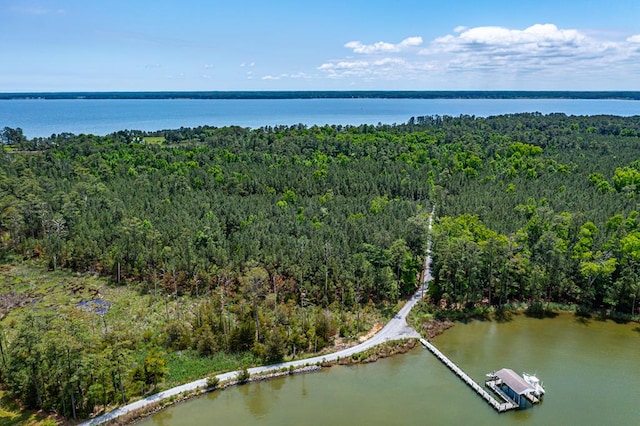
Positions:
{"x": 186, "y": 366}
{"x": 154, "y": 140}
{"x": 41, "y": 290}
{"x": 25, "y": 284}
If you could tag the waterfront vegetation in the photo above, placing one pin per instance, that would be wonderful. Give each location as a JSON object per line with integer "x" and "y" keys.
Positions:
{"x": 139, "y": 260}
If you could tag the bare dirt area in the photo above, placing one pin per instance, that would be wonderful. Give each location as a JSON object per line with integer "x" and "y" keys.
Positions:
{"x": 377, "y": 327}
{"x": 342, "y": 343}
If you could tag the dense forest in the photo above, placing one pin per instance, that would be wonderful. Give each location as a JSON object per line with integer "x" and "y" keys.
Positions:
{"x": 276, "y": 241}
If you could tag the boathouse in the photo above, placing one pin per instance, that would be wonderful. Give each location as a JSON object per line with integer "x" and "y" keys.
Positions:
{"x": 515, "y": 387}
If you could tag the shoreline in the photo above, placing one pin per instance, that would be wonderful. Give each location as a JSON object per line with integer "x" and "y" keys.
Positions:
{"x": 376, "y": 347}
{"x": 142, "y": 413}
{"x": 384, "y": 350}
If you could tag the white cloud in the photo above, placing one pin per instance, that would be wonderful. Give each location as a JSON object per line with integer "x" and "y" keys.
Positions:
{"x": 539, "y": 39}
{"x": 535, "y": 57}
{"x": 534, "y": 49}
{"x": 285, "y": 76}
{"x": 411, "y": 41}
{"x": 538, "y": 34}
{"x": 383, "y": 46}
{"x": 343, "y": 65}
{"x": 380, "y": 46}
{"x": 383, "y": 68}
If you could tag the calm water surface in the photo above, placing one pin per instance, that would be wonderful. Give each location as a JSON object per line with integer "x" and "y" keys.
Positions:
{"x": 590, "y": 369}
{"x": 41, "y": 118}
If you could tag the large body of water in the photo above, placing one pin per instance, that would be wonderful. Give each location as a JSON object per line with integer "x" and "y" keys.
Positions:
{"x": 42, "y": 118}
{"x": 590, "y": 370}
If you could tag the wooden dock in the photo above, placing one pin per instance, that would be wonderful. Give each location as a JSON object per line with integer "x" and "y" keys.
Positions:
{"x": 498, "y": 406}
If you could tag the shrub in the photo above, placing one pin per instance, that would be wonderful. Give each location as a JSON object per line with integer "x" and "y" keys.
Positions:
{"x": 177, "y": 335}
{"x": 206, "y": 341}
{"x": 212, "y": 382}
{"x": 243, "y": 376}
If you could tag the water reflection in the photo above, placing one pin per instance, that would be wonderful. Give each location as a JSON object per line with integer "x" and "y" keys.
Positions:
{"x": 254, "y": 398}
{"x": 276, "y": 385}
{"x": 213, "y": 395}
{"x": 304, "y": 385}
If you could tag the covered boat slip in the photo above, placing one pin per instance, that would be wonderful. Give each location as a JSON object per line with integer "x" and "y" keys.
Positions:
{"x": 512, "y": 387}
{"x": 501, "y": 407}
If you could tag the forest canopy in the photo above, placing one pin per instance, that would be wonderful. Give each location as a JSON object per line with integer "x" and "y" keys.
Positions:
{"x": 277, "y": 240}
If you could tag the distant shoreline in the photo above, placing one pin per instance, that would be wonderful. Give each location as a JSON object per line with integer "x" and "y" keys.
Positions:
{"x": 364, "y": 94}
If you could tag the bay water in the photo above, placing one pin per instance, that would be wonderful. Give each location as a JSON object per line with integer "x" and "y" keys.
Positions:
{"x": 590, "y": 370}
{"x": 44, "y": 117}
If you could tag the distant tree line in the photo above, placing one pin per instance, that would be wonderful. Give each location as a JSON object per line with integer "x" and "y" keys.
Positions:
{"x": 334, "y": 94}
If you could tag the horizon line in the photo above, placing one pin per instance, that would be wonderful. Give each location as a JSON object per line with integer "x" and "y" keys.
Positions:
{"x": 331, "y": 94}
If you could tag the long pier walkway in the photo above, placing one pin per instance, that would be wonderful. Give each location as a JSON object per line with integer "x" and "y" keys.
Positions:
{"x": 499, "y": 406}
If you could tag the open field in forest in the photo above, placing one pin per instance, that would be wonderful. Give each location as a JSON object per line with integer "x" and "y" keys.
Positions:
{"x": 31, "y": 289}
{"x": 154, "y": 140}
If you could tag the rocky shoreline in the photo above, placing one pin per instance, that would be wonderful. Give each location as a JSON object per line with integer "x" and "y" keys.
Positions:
{"x": 385, "y": 350}
{"x": 434, "y": 327}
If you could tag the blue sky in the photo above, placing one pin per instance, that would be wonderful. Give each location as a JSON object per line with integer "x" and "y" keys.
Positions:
{"x": 140, "y": 45}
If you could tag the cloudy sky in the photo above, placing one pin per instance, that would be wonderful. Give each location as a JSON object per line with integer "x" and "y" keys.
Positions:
{"x": 127, "y": 45}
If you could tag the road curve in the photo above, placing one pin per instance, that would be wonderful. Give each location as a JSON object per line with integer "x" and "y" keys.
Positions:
{"x": 396, "y": 329}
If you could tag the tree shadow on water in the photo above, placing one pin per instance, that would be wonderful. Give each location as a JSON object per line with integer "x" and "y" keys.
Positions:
{"x": 255, "y": 399}
{"x": 583, "y": 315}
{"x": 503, "y": 315}
{"x": 540, "y": 311}
{"x": 583, "y": 320}
{"x": 620, "y": 320}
